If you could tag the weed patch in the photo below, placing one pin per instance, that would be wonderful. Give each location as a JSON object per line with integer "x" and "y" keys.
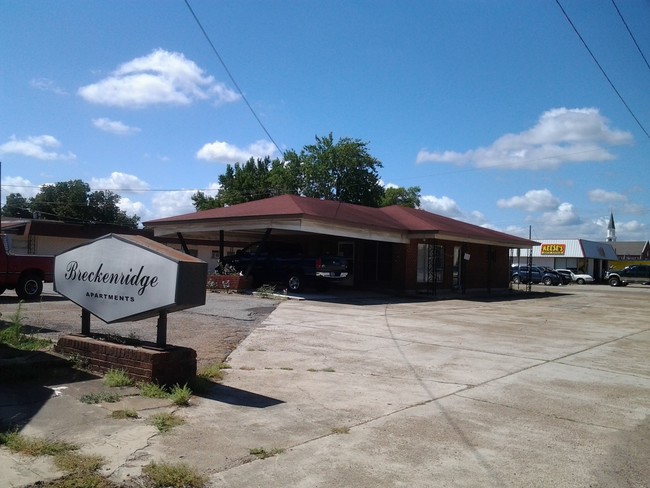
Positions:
{"x": 34, "y": 447}
{"x": 262, "y": 453}
{"x": 152, "y": 390}
{"x": 164, "y": 475}
{"x": 165, "y": 422}
{"x": 124, "y": 414}
{"x": 117, "y": 377}
{"x": 73, "y": 462}
{"x": 102, "y": 396}
{"x": 180, "y": 395}
{"x": 13, "y": 335}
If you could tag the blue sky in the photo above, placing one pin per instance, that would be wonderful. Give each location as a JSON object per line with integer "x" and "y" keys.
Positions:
{"x": 494, "y": 108}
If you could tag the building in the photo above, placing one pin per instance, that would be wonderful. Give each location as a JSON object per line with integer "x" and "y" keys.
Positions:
{"x": 632, "y": 250}
{"x": 578, "y": 255}
{"x": 392, "y": 248}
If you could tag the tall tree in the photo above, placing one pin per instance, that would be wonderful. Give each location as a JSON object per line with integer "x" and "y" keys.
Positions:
{"x": 406, "y": 197}
{"x": 72, "y": 201}
{"x": 16, "y": 206}
{"x": 343, "y": 171}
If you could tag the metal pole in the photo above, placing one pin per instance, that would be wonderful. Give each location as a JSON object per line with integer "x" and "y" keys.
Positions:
{"x": 85, "y": 322}
{"x": 161, "y": 336}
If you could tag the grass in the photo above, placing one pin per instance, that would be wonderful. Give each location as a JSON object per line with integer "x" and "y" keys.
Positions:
{"x": 73, "y": 462}
{"x": 117, "y": 377}
{"x": 266, "y": 291}
{"x": 153, "y": 390}
{"x": 341, "y": 430}
{"x": 33, "y": 446}
{"x": 101, "y": 397}
{"x": 180, "y": 395}
{"x": 165, "y": 475}
{"x": 213, "y": 372}
{"x": 13, "y": 335}
{"x": 124, "y": 414}
{"x": 165, "y": 422}
{"x": 262, "y": 453}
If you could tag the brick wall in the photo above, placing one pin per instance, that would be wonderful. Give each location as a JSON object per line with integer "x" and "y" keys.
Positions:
{"x": 173, "y": 365}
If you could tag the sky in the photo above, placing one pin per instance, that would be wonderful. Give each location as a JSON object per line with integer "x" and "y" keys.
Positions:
{"x": 495, "y": 109}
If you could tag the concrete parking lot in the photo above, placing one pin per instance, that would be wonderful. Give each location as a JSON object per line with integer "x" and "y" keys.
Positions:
{"x": 544, "y": 389}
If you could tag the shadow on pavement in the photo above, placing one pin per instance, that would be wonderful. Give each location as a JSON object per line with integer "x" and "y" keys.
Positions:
{"x": 243, "y": 398}
{"x": 26, "y": 380}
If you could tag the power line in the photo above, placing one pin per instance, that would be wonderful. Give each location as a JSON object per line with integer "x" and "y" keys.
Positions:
{"x": 232, "y": 78}
{"x": 602, "y": 70}
{"x": 631, "y": 35}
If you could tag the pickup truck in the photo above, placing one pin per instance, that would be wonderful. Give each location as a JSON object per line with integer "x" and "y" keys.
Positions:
{"x": 24, "y": 272}
{"x": 285, "y": 264}
{"x": 631, "y": 274}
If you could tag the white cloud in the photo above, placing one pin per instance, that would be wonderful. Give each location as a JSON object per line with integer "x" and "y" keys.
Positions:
{"x": 532, "y": 201}
{"x": 441, "y": 206}
{"x": 160, "y": 78}
{"x": 114, "y": 127}
{"x": 119, "y": 182}
{"x": 560, "y": 136}
{"x": 604, "y": 196}
{"x": 223, "y": 152}
{"x": 18, "y": 184}
{"x": 563, "y": 216}
{"x": 39, "y": 147}
{"x": 45, "y": 84}
{"x": 170, "y": 203}
{"x": 135, "y": 208}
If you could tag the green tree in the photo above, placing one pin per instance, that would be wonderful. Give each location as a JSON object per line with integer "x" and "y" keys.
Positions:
{"x": 72, "y": 201}
{"x": 343, "y": 171}
{"x": 16, "y": 206}
{"x": 406, "y": 197}
{"x": 252, "y": 180}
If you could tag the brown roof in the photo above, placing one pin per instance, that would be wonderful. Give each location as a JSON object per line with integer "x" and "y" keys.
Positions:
{"x": 394, "y": 218}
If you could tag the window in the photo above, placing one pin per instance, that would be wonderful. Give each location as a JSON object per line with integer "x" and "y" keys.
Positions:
{"x": 430, "y": 263}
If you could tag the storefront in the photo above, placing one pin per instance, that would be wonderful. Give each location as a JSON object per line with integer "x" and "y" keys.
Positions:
{"x": 578, "y": 255}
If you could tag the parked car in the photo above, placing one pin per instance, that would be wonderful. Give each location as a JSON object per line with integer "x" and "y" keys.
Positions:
{"x": 537, "y": 274}
{"x": 579, "y": 278}
{"x": 284, "y": 263}
{"x": 24, "y": 272}
{"x": 631, "y": 274}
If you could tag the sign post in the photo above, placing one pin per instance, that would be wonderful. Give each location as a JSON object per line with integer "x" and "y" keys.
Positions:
{"x": 123, "y": 278}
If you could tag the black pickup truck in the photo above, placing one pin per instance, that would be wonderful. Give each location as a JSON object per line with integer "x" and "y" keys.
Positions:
{"x": 284, "y": 264}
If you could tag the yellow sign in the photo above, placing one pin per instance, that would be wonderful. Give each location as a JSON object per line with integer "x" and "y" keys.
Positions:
{"x": 553, "y": 249}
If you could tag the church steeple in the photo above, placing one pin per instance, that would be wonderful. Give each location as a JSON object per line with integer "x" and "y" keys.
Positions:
{"x": 611, "y": 229}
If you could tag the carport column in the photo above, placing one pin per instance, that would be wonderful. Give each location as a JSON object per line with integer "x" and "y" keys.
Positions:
{"x": 221, "y": 244}
{"x": 161, "y": 336}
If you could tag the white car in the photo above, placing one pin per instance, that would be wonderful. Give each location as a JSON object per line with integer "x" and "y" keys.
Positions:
{"x": 579, "y": 278}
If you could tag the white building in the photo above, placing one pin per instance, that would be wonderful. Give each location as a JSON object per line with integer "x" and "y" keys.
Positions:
{"x": 578, "y": 255}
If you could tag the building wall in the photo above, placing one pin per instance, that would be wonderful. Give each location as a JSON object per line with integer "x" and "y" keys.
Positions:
{"x": 482, "y": 268}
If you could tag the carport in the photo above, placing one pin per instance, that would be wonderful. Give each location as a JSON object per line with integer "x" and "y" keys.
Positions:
{"x": 392, "y": 248}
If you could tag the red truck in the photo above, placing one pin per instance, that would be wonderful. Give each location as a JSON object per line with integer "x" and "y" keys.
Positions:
{"x": 25, "y": 273}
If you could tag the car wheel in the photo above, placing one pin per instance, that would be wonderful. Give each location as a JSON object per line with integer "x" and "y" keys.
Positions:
{"x": 547, "y": 281}
{"x": 2, "y": 290}
{"x": 580, "y": 281}
{"x": 516, "y": 279}
{"x": 294, "y": 283}
{"x": 29, "y": 287}
{"x": 614, "y": 281}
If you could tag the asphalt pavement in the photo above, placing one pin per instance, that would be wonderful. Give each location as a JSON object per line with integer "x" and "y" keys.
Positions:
{"x": 544, "y": 389}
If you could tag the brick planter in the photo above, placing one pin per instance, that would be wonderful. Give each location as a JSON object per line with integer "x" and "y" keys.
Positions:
{"x": 228, "y": 283}
{"x": 173, "y": 365}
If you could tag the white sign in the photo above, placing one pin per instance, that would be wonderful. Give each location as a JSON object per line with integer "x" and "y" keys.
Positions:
{"x": 119, "y": 277}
